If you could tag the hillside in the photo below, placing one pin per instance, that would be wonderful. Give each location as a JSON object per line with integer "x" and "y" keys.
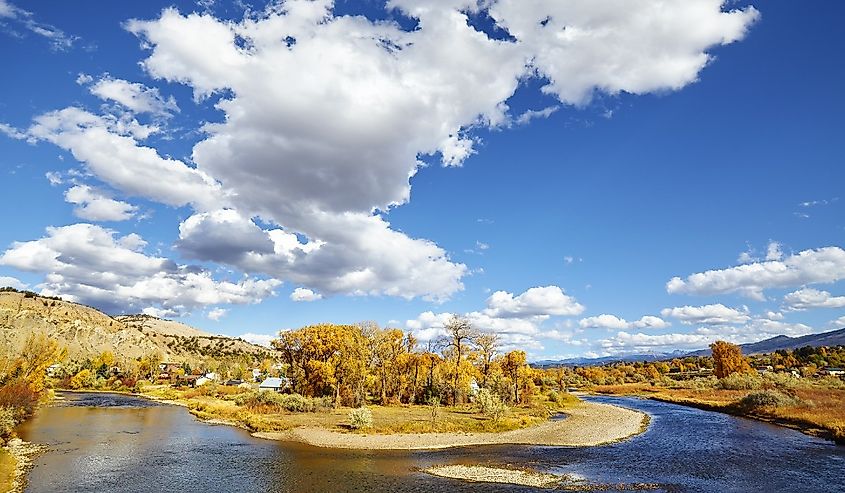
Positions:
{"x": 87, "y": 332}
{"x": 832, "y": 338}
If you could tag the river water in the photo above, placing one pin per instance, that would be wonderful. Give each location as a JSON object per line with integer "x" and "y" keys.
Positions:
{"x": 102, "y": 442}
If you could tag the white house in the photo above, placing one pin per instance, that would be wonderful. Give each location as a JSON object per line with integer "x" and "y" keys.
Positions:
{"x": 274, "y": 384}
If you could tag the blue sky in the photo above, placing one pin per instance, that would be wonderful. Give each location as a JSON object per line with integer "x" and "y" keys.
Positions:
{"x": 244, "y": 168}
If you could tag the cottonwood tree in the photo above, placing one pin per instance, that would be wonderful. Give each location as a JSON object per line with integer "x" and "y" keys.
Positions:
{"x": 487, "y": 344}
{"x": 728, "y": 359}
{"x": 514, "y": 365}
{"x": 460, "y": 334}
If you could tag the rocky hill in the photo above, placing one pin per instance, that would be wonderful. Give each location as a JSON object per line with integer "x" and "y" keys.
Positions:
{"x": 87, "y": 332}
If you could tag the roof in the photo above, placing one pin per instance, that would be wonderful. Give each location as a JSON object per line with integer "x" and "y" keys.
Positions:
{"x": 274, "y": 382}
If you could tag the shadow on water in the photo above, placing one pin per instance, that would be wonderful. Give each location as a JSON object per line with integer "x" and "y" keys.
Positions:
{"x": 101, "y": 442}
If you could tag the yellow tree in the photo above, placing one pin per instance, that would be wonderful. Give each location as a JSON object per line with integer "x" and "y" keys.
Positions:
{"x": 728, "y": 359}
{"x": 513, "y": 364}
{"x": 487, "y": 344}
{"x": 459, "y": 334}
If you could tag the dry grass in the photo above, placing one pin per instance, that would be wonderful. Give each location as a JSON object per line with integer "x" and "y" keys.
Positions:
{"x": 386, "y": 419}
{"x": 818, "y": 411}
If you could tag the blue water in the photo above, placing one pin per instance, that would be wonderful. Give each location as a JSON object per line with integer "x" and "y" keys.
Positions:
{"x": 113, "y": 443}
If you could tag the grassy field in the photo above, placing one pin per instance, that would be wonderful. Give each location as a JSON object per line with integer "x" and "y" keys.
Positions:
{"x": 386, "y": 419}
{"x": 7, "y": 470}
{"x": 810, "y": 407}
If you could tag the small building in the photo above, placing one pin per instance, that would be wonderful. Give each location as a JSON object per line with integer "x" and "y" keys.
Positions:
{"x": 764, "y": 369}
{"x": 202, "y": 381}
{"x": 274, "y": 384}
{"x": 834, "y": 372}
{"x": 233, "y": 383}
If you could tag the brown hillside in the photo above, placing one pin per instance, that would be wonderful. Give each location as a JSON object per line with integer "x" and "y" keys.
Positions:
{"x": 87, "y": 332}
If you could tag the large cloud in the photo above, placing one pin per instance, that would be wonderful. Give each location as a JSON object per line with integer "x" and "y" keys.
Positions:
{"x": 94, "y": 205}
{"x": 326, "y": 119}
{"x": 606, "y": 321}
{"x": 92, "y": 265}
{"x": 823, "y": 265}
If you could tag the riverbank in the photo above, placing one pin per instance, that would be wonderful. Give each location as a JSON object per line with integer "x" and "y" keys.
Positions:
{"x": 815, "y": 412}
{"x": 587, "y": 424}
{"x": 16, "y": 459}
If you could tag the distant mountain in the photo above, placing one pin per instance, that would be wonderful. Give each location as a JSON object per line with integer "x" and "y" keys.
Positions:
{"x": 87, "y": 332}
{"x": 608, "y": 359}
{"x": 832, "y": 338}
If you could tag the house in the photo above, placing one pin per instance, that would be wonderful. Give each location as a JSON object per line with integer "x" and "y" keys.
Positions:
{"x": 189, "y": 380}
{"x": 233, "y": 383}
{"x": 202, "y": 381}
{"x": 764, "y": 369}
{"x": 54, "y": 369}
{"x": 834, "y": 372}
{"x": 274, "y": 384}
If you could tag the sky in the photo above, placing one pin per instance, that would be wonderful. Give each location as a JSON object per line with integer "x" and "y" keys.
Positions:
{"x": 584, "y": 177}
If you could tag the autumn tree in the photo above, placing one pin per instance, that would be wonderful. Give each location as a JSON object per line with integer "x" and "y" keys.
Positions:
{"x": 487, "y": 344}
{"x": 514, "y": 365}
{"x": 728, "y": 359}
{"x": 459, "y": 335}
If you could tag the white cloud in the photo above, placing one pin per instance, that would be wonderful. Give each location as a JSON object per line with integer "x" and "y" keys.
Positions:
{"x": 839, "y": 323}
{"x": 303, "y": 294}
{"x": 316, "y": 139}
{"x": 807, "y": 298}
{"x": 606, "y": 321}
{"x": 529, "y": 115}
{"x": 216, "y": 314}
{"x": 12, "y": 282}
{"x": 136, "y": 97}
{"x": 93, "y": 205}
{"x": 626, "y": 342}
{"x": 823, "y": 265}
{"x": 109, "y": 147}
{"x": 707, "y": 314}
{"x": 774, "y": 251}
{"x": 89, "y": 264}
{"x": 259, "y": 339}
{"x": 539, "y": 301}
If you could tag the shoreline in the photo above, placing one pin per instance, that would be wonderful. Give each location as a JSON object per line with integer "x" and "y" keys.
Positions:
{"x": 731, "y": 409}
{"x": 588, "y": 424}
{"x": 24, "y": 453}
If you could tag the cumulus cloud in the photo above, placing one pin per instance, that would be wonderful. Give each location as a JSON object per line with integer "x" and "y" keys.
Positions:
{"x": 12, "y": 282}
{"x": 516, "y": 319}
{"x": 317, "y": 138}
{"x": 109, "y": 147}
{"x": 134, "y": 96}
{"x": 606, "y": 321}
{"x": 93, "y": 205}
{"x": 93, "y": 265}
{"x": 707, "y": 314}
{"x": 303, "y": 294}
{"x": 216, "y": 314}
{"x": 539, "y": 301}
{"x": 823, "y": 265}
{"x": 259, "y": 339}
{"x": 808, "y": 298}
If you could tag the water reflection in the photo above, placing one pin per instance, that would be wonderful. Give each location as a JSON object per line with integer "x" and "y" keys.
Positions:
{"x": 131, "y": 445}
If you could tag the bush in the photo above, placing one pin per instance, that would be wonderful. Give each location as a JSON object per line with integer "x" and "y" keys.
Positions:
{"x": 741, "y": 381}
{"x": 782, "y": 380}
{"x": 8, "y": 421}
{"x": 360, "y": 418}
{"x": 490, "y": 404}
{"x": 272, "y": 401}
{"x": 766, "y": 398}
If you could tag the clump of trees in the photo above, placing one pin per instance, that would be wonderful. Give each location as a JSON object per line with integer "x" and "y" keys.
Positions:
{"x": 23, "y": 380}
{"x": 351, "y": 362}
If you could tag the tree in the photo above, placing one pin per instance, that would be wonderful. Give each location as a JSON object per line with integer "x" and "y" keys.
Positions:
{"x": 514, "y": 366}
{"x": 460, "y": 334}
{"x": 728, "y": 359}
{"x": 488, "y": 345}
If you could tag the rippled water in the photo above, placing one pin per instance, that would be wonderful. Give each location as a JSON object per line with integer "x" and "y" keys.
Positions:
{"x": 104, "y": 442}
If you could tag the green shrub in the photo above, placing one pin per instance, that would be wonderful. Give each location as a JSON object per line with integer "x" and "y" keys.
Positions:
{"x": 490, "y": 404}
{"x": 360, "y": 418}
{"x": 741, "y": 381}
{"x": 766, "y": 398}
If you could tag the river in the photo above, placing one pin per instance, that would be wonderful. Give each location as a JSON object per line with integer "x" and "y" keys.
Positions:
{"x": 105, "y": 442}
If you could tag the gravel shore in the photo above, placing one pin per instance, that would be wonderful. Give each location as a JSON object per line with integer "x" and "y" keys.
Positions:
{"x": 497, "y": 475}
{"x": 587, "y": 424}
